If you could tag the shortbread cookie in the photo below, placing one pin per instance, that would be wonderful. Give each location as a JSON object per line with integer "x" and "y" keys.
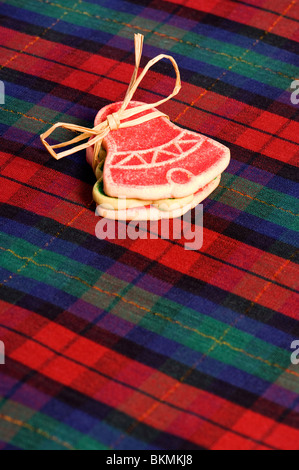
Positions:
{"x": 103, "y": 200}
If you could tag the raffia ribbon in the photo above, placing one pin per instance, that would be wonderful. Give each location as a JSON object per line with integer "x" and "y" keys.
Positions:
{"x": 116, "y": 120}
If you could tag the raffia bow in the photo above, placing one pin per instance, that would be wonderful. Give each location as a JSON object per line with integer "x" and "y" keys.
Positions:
{"x": 116, "y": 120}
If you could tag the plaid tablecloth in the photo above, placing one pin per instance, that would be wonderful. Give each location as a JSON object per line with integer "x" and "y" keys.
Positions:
{"x": 141, "y": 344}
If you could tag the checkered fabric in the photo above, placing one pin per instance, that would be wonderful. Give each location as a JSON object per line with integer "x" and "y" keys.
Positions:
{"x": 140, "y": 344}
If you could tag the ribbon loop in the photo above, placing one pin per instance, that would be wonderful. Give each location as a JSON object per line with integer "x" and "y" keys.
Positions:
{"x": 115, "y": 120}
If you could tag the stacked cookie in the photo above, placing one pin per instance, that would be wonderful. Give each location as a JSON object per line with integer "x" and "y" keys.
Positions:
{"x": 155, "y": 170}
